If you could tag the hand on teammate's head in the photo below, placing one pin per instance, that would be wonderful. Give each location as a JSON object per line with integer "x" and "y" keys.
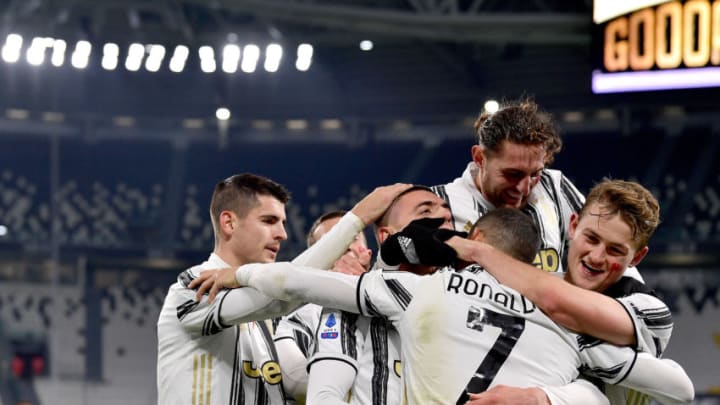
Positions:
{"x": 374, "y": 205}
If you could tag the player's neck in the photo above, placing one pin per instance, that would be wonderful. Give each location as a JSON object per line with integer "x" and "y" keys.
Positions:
{"x": 226, "y": 254}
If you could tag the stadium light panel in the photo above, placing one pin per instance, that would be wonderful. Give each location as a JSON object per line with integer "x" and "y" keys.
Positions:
{"x": 134, "y": 58}
{"x": 231, "y": 57}
{"x": 11, "y": 49}
{"x": 251, "y": 54}
{"x": 59, "y": 47}
{"x": 273, "y": 55}
{"x": 81, "y": 55}
{"x": 111, "y": 53}
{"x": 177, "y": 61}
{"x": 207, "y": 59}
{"x": 36, "y": 51}
{"x": 304, "y": 57}
{"x": 155, "y": 57}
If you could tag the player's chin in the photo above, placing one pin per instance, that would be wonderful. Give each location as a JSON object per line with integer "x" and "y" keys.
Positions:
{"x": 513, "y": 202}
{"x": 269, "y": 256}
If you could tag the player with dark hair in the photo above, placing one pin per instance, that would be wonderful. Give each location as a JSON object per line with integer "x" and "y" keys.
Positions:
{"x": 463, "y": 329}
{"x": 610, "y": 234}
{"x": 222, "y": 352}
{"x": 509, "y": 169}
{"x": 357, "y": 359}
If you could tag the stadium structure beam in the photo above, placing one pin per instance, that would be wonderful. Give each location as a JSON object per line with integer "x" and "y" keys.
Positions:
{"x": 490, "y": 28}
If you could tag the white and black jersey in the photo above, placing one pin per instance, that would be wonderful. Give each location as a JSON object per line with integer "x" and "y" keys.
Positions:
{"x": 551, "y": 203}
{"x": 480, "y": 334}
{"x": 300, "y": 326}
{"x": 653, "y": 328}
{"x": 371, "y": 346}
{"x": 223, "y": 353}
{"x": 462, "y": 330}
{"x": 220, "y": 353}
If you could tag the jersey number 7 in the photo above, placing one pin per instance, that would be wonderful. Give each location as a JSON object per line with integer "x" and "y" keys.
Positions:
{"x": 511, "y": 329}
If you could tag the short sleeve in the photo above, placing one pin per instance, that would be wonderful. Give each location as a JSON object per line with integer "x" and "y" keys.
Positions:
{"x": 386, "y": 294}
{"x": 652, "y": 321}
{"x": 340, "y": 336}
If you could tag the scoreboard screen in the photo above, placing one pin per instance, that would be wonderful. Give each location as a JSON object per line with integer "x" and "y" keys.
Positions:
{"x": 644, "y": 45}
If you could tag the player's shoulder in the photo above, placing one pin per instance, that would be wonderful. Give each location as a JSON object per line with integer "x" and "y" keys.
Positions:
{"x": 627, "y": 286}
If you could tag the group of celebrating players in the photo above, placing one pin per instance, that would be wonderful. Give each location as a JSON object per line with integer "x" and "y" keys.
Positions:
{"x": 454, "y": 309}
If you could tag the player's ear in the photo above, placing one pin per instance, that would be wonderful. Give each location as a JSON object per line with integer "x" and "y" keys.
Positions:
{"x": 478, "y": 154}
{"x": 638, "y": 256}
{"x": 228, "y": 222}
{"x": 382, "y": 233}
{"x": 574, "y": 219}
{"x": 476, "y": 234}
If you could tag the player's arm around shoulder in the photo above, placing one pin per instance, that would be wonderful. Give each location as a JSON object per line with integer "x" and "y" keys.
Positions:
{"x": 387, "y": 293}
{"x": 227, "y": 307}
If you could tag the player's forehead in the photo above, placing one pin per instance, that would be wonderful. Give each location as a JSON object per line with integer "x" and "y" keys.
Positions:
{"x": 414, "y": 205}
{"x": 598, "y": 221}
{"x": 417, "y": 198}
{"x": 521, "y": 157}
{"x": 267, "y": 206}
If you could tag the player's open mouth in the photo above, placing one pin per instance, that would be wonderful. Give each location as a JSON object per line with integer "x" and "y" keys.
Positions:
{"x": 511, "y": 199}
{"x": 590, "y": 269}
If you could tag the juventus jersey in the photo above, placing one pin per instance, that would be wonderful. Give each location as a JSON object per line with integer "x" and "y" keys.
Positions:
{"x": 465, "y": 331}
{"x": 371, "y": 346}
{"x": 550, "y": 204}
{"x": 300, "y": 327}
{"x": 653, "y": 327}
{"x": 220, "y": 353}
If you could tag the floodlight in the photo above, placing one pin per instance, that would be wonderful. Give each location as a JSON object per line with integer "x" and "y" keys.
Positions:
{"x": 134, "y": 58}
{"x": 110, "y": 56}
{"x": 231, "y": 57}
{"x": 273, "y": 55}
{"x": 207, "y": 59}
{"x": 251, "y": 54}
{"x": 59, "y": 47}
{"x": 177, "y": 62}
{"x": 81, "y": 54}
{"x": 304, "y": 57}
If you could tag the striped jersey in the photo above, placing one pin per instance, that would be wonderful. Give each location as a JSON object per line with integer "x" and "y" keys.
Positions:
{"x": 220, "y": 353}
{"x": 371, "y": 346}
{"x": 551, "y": 203}
{"x": 300, "y": 326}
{"x": 464, "y": 331}
{"x": 653, "y": 328}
